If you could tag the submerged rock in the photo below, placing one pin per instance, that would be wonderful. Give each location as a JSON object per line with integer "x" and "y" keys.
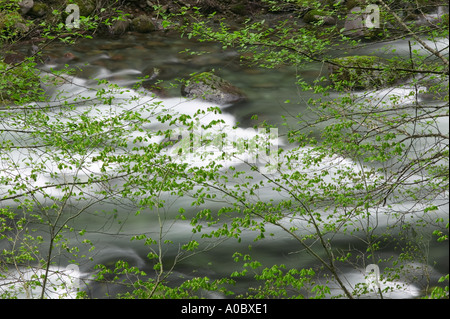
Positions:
{"x": 212, "y": 88}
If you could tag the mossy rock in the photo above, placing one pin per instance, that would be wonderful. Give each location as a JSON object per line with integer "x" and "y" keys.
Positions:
{"x": 143, "y": 24}
{"x": 39, "y": 10}
{"x": 239, "y": 9}
{"x": 20, "y": 84}
{"x": 11, "y": 21}
{"x": 363, "y": 72}
{"x": 212, "y": 88}
{"x": 444, "y": 19}
{"x": 120, "y": 27}
{"x": 87, "y": 7}
{"x": 317, "y": 16}
{"x": 25, "y": 6}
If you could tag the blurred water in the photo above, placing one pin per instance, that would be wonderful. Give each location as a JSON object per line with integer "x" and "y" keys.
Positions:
{"x": 124, "y": 61}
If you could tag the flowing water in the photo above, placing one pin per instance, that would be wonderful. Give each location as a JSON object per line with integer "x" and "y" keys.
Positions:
{"x": 124, "y": 61}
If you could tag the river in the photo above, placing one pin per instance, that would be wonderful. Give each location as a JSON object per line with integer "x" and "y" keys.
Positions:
{"x": 124, "y": 61}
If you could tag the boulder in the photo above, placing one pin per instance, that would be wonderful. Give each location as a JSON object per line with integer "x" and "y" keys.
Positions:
{"x": 87, "y": 7}
{"x": 316, "y": 16}
{"x": 12, "y": 22}
{"x": 25, "y": 6}
{"x": 355, "y": 25}
{"x": 212, "y": 88}
{"x": 240, "y": 8}
{"x": 143, "y": 24}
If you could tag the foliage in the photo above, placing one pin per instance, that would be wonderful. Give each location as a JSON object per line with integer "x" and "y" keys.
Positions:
{"x": 381, "y": 156}
{"x": 19, "y": 83}
{"x": 372, "y": 132}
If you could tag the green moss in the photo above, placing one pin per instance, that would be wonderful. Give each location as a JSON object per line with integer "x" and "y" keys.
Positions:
{"x": 204, "y": 77}
{"x": 143, "y": 24}
{"x": 314, "y": 16}
{"x": 363, "y": 72}
{"x": 87, "y": 7}
{"x": 20, "y": 84}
